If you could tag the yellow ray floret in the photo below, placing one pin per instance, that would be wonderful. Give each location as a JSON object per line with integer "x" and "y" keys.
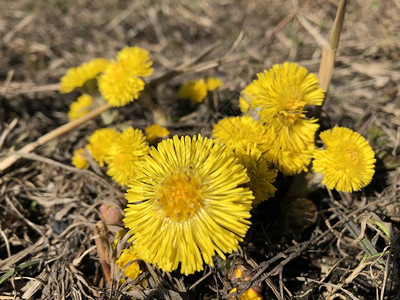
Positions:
{"x": 121, "y": 83}
{"x": 100, "y": 142}
{"x": 280, "y": 95}
{"x": 347, "y": 162}
{"x": 80, "y": 107}
{"x": 127, "y": 262}
{"x": 195, "y": 91}
{"x": 76, "y": 77}
{"x": 124, "y": 154}
{"x": 155, "y": 132}
{"x": 79, "y": 159}
{"x": 260, "y": 173}
{"x": 187, "y": 204}
{"x": 290, "y": 162}
{"x": 239, "y": 132}
{"x": 250, "y": 294}
{"x": 213, "y": 83}
{"x": 136, "y": 60}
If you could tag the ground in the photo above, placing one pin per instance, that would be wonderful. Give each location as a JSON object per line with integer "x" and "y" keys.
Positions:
{"x": 318, "y": 248}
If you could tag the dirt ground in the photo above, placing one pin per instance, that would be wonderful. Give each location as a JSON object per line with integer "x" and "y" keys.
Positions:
{"x": 48, "y": 209}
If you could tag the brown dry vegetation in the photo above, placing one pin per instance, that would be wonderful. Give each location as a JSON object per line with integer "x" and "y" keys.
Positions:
{"x": 48, "y": 209}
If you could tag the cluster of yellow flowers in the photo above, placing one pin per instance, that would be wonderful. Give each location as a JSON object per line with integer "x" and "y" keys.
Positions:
{"x": 119, "y": 151}
{"x": 119, "y": 81}
{"x": 190, "y": 198}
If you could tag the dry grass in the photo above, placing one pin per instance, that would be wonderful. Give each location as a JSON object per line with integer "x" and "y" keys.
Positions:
{"x": 48, "y": 209}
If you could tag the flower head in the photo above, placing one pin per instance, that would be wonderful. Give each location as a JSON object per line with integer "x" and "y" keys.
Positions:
{"x": 155, "y": 132}
{"x": 100, "y": 142}
{"x": 136, "y": 60}
{"x": 260, "y": 173}
{"x": 280, "y": 96}
{"x": 187, "y": 204}
{"x": 213, "y": 83}
{"x": 76, "y": 77}
{"x": 127, "y": 262}
{"x": 238, "y": 133}
{"x": 347, "y": 162}
{"x": 80, "y": 107}
{"x": 79, "y": 159}
{"x": 125, "y": 152}
{"x": 290, "y": 162}
{"x": 121, "y": 83}
{"x": 195, "y": 91}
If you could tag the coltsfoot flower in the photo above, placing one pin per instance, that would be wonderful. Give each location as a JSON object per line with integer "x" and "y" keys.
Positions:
{"x": 77, "y": 76}
{"x": 213, "y": 83}
{"x": 127, "y": 262}
{"x": 120, "y": 84}
{"x": 187, "y": 204}
{"x": 79, "y": 159}
{"x": 261, "y": 175}
{"x": 347, "y": 162}
{"x": 100, "y": 142}
{"x": 279, "y": 96}
{"x": 238, "y": 133}
{"x": 80, "y": 107}
{"x": 195, "y": 91}
{"x": 155, "y": 132}
{"x": 125, "y": 152}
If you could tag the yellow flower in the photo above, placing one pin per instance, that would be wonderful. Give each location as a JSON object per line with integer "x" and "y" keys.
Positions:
{"x": 213, "y": 83}
{"x": 290, "y": 161}
{"x": 238, "y": 133}
{"x": 79, "y": 159}
{"x": 80, "y": 107}
{"x": 155, "y": 132}
{"x": 136, "y": 60}
{"x": 76, "y": 77}
{"x": 127, "y": 262}
{"x": 195, "y": 91}
{"x": 100, "y": 142}
{"x": 260, "y": 174}
{"x": 347, "y": 162}
{"x": 250, "y": 294}
{"x": 188, "y": 204}
{"x": 120, "y": 84}
{"x": 119, "y": 235}
{"x": 280, "y": 96}
{"x": 126, "y": 151}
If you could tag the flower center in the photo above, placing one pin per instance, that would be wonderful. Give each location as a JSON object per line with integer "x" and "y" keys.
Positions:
{"x": 350, "y": 154}
{"x": 180, "y": 196}
{"x": 292, "y": 109}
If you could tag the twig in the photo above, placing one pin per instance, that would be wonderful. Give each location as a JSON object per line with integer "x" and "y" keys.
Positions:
{"x": 49, "y": 161}
{"x": 6, "y": 131}
{"x": 4, "y": 164}
{"x": 334, "y": 286}
{"x": 7, "y": 83}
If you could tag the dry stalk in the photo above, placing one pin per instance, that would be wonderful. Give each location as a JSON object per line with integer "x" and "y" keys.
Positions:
{"x": 100, "y": 232}
{"x": 328, "y": 53}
